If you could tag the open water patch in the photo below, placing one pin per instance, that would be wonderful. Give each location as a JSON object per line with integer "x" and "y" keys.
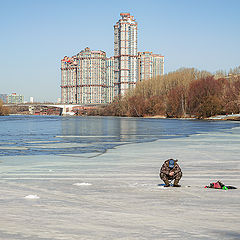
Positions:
{"x": 54, "y": 135}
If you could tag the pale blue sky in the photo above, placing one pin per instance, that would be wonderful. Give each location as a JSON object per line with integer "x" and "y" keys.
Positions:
{"x": 36, "y": 34}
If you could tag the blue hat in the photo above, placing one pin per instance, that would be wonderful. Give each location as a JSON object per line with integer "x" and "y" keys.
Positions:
{"x": 171, "y": 163}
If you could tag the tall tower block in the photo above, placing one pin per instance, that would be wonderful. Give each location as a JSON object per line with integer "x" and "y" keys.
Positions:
{"x": 125, "y": 54}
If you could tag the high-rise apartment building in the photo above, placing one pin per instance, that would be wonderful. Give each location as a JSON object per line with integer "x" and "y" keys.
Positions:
{"x": 91, "y": 78}
{"x": 150, "y": 65}
{"x": 125, "y": 53}
{"x": 84, "y": 78}
{"x": 110, "y": 79}
{"x": 69, "y": 67}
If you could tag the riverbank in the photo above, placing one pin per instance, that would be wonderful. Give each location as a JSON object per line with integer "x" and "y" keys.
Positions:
{"x": 230, "y": 117}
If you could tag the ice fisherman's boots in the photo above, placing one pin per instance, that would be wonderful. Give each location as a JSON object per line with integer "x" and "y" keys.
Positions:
{"x": 166, "y": 183}
{"x": 175, "y": 184}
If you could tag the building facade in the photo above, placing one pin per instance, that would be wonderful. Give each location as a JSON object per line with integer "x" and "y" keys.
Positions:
{"x": 15, "y": 99}
{"x": 110, "y": 79}
{"x": 91, "y": 78}
{"x": 150, "y": 65}
{"x": 69, "y": 80}
{"x": 3, "y": 97}
{"x": 125, "y": 53}
{"x": 83, "y": 78}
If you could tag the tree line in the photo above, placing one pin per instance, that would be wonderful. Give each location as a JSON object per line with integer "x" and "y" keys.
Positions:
{"x": 186, "y": 92}
{"x": 3, "y": 110}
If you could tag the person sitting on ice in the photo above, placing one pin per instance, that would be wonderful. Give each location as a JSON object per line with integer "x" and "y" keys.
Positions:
{"x": 169, "y": 171}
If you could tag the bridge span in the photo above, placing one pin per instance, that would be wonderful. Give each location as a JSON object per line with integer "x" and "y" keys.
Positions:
{"x": 66, "y": 109}
{"x": 42, "y": 108}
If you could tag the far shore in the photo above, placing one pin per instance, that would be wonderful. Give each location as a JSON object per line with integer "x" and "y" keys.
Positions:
{"x": 227, "y": 117}
{"x": 230, "y": 117}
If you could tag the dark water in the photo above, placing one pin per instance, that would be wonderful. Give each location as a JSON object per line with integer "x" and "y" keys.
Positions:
{"x": 44, "y": 135}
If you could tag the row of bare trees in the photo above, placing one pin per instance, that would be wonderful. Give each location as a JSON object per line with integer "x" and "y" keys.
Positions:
{"x": 3, "y": 110}
{"x": 183, "y": 93}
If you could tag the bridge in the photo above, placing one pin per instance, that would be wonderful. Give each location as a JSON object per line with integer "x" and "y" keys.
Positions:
{"x": 65, "y": 109}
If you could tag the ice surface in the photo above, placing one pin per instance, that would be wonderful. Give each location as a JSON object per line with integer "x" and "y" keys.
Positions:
{"x": 13, "y": 148}
{"x": 87, "y": 136}
{"x": 60, "y": 145}
{"x": 124, "y": 200}
{"x": 31, "y": 197}
{"x": 82, "y": 184}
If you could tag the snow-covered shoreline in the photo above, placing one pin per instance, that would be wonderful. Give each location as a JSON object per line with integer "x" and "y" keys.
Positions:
{"x": 225, "y": 117}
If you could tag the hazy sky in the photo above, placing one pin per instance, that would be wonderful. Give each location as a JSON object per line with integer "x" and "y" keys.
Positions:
{"x": 36, "y": 34}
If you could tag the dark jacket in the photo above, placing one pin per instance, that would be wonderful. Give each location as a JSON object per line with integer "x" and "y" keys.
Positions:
{"x": 165, "y": 169}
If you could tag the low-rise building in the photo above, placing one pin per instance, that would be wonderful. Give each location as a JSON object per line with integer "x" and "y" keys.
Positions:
{"x": 15, "y": 99}
{"x": 3, "y": 97}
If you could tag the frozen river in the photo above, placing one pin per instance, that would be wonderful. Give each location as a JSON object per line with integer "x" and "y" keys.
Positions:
{"x": 97, "y": 178}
